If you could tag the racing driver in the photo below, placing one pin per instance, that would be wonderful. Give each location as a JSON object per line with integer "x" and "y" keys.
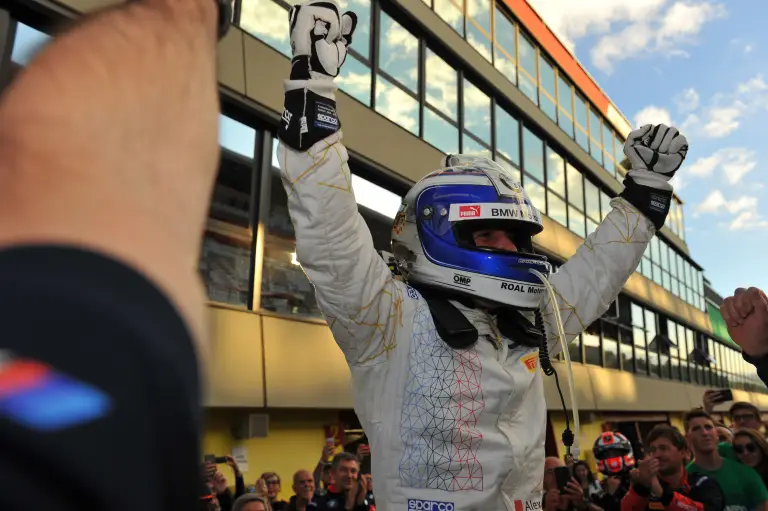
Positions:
{"x": 444, "y": 364}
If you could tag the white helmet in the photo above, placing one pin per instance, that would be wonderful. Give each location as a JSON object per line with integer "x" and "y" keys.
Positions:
{"x": 432, "y": 238}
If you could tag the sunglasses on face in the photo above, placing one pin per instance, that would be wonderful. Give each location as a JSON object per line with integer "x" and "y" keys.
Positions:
{"x": 273, "y": 482}
{"x": 741, "y": 449}
{"x": 743, "y": 417}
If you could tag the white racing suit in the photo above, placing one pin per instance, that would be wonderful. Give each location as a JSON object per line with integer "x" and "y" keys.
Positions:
{"x": 449, "y": 429}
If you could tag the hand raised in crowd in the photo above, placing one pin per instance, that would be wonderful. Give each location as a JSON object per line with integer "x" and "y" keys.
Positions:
{"x": 646, "y": 471}
{"x": 233, "y": 464}
{"x": 261, "y": 488}
{"x": 219, "y": 482}
{"x": 709, "y": 400}
{"x": 552, "y": 500}
{"x": 363, "y": 450}
{"x": 362, "y": 490}
{"x": 746, "y": 314}
{"x": 328, "y": 450}
{"x": 575, "y": 493}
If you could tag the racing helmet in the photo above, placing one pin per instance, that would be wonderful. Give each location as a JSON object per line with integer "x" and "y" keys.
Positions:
{"x": 613, "y": 453}
{"x": 433, "y": 242}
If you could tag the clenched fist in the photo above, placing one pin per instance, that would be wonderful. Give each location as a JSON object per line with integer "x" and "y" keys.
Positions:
{"x": 660, "y": 149}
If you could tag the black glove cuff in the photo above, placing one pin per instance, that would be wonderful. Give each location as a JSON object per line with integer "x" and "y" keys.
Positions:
{"x": 642, "y": 490}
{"x": 307, "y": 119}
{"x": 652, "y": 203}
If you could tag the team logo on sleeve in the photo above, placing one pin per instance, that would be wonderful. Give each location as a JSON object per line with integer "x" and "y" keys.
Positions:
{"x": 530, "y": 362}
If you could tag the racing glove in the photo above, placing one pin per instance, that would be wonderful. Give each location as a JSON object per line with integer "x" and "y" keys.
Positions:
{"x": 655, "y": 152}
{"x": 319, "y": 39}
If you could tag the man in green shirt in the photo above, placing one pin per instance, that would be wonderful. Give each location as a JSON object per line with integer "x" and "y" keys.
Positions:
{"x": 742, "y": 486}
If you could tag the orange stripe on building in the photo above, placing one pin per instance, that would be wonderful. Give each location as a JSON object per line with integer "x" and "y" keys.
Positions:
{"x": 548, "y": 41}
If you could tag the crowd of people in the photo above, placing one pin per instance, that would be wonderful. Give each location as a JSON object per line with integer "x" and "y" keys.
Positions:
{"x": 338, "y": 484}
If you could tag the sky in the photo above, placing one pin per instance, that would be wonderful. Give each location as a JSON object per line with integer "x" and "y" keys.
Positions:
{"x": 703, "y": 66}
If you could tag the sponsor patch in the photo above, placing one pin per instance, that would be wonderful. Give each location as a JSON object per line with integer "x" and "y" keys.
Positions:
{"x": 528, "y": 505}
{"x": 429, "y": 505}
{"x": 325, "y": 116}
{"x": 530, "y": 362}
{"x": 658, "y": 203}
{"x": 462, "y": 280}
{"x": 469, "y": 211}
{"x": 412, "y": 294}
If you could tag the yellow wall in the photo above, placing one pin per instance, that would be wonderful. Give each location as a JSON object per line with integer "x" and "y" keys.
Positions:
{"x": 294, "y": 442}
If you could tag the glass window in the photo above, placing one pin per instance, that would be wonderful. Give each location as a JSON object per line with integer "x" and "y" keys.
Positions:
{"x": 580, "y": 116}
{"x": 591, "y": 341}
{"x": 664, "y": 252}
{"x": 565, "y": 102}
{"x": 608, "y": 147}
{"x": 537, "y": 194}
{"x": 355, "y": 79}
{"x": 641, "y": 355}
{"x": 574, "y": 349}
{"x": 605, "y": 205}
{"x": 575, "y": 187}
{"x": 611, "y": 346}
{"x": 576, "y": 222}
{"x": 442, "y": 86}
{"x": 674, "y": 355}
{"x": 479, "y": 26}
{"x": 650, "y": 331}
{"x": 684, "y": 352}
{"x": 451, "y": 12}
{"x": 533, "y": 155}
{"x": 507, "y": 136}
{"x": 266, "y": 20}
{"x": 397, "y": 105}
{"x": 594, "y": 135}
{"x": 527, "y": 56}
{"x": 618, "y": 150}
{"x": 547, "y": 83}
{"x": 27, "y": 42}
{"x": 399, "y": 53}
{"x": 655, "y": 250}
{"x": 363, "y": 28}
{"x": 592, "y": 198}
{"x": 225, "y": 260}
{"x": 556, "y": 209}
{"x": 470, "y": 145}
{"x": 440, "y": 133}
{"x": 555, "y": 172}
{"x": 504, "y": 49}
{"x": 477, "y": 112}
{"x": 591, "y": 226}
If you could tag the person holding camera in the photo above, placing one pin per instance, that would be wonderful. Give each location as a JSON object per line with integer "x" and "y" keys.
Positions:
{"x": 562, "y": 492}
{"x": 661, "y": 481}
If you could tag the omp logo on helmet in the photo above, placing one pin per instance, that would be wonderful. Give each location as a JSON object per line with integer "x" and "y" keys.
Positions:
{"x": 528, "y": 505}
{"x": 429, "y": 505}
{"x": 530, "y": 361}
{"x": 469, "y": 211}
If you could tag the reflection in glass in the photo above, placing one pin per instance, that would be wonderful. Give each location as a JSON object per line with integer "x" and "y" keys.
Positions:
{"x": 451, "y": 12}
{"x": 504, "y": 57}
{"x": 477, "y": 112}
{"x": 625, "y": 346}
{"x": 507, "y": 136}
{"x": 591, "y": 340}
{"x": 641, "y": 361}
{"x": 576, "y": 222}
{"x": 267, "y": 20}
{"x": 556, "y": 209}
{"x": 611, "y": 345}
{"x": 27, "y": 42}
{"x": 618, "y": 149}
{"x": 547, "y": 83}
{"x": 225, "y": 258}
{"x": 592, "y": 199}
{"x": 506, "y": 66}
{"x": 595, "y": 139}
{"x": 608, "y": 148}
{"x": 440, "y": 133}
{"x": 565, "y": 100}
{"x": 442, "y": 85}
{"x": 605, "y": 205}
{"x": 399, "y": 53}
{"x": 533, "y": 155}
{"x": 478, "y": 40}
{"x": 591, "y": 226}
{"x": 575, "y": 187}
{"x": 527, "y": 57}
{"x": 362, "y": 40}
{"x": 470, "y": 145}
{"x": 574, "y": 349}
{"x": 555, "y": 172}
{"x": 536, "y": 193}
{"x": 396, "y": 105}
{"x": 580, "y": 116}
{"x": 355, "y": 79}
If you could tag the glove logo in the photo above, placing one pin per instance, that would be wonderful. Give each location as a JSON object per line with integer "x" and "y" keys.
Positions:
{"x": 287, "y": 118}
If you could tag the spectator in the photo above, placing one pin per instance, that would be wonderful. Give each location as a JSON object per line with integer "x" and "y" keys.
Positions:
{"x": 303, "y": 489}
{"x": 746, "y": 314}
{"x": 251, "y": 502}
{"x": 751, "y": 449}
{"x": 273, "y": 490}
{"x": 369, "y": 498}
{"x": 615, "y": 458}
{"x": 322, "y": 473}
{"x": 661, "y": 478}
{"x": 742, "y": 487}
{"x": 348, "y": 490}
{"x": 724, "y": 434}
{"x": 589, "y": 484}
{"x": 219, "y": 485}
{"x": 745, "y": 415}
{"x": 572, "y": 497}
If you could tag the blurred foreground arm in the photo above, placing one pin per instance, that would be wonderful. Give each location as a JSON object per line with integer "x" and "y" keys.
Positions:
{"x": 109, "y": 153}
{"x": 746, "y": 314}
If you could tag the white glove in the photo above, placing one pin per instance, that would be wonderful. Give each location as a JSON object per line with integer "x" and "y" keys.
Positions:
{"x": 319, "y": 38}
{"x": 658, "y": 149}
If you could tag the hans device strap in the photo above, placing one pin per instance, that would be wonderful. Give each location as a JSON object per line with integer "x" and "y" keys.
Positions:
{"x": 452, "y": 326}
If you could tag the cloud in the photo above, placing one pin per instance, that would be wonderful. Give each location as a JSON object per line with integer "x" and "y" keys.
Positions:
{"x": 733, "y": 162}
{"x": 743, "y": 209}
{"x": 748, "y": 220}
{"x": 687, "y": 100}
{"x": 723, "y": 121}
{"x": 653, "y": 115}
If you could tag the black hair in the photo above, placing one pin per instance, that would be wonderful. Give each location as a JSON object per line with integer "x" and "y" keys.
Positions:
{"x": 664, "y": 431}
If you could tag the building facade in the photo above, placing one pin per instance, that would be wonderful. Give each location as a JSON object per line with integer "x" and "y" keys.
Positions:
{"x": 423, "y": 78}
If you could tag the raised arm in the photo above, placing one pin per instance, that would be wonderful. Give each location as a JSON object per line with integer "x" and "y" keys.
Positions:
{"x": 353, "y": 285}
{"x": 587, "y": 284}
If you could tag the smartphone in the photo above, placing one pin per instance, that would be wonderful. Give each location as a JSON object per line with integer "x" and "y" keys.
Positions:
{"x": 563, "y": 477}
{"x": 212, "y": 458}
{"x": 722, "y": 396}
{"x": 365, "y": 450}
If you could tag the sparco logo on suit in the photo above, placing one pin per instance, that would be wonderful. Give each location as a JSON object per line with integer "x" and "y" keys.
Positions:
{"x": 429, "y": 505}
